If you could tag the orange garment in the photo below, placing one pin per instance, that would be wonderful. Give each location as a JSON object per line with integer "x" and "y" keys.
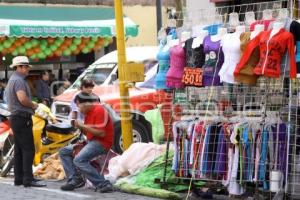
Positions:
{"x": 245, "y": 74}
{"x": 271, "y": 52}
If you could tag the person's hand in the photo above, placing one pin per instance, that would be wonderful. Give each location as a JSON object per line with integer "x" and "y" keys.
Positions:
{"x": 78, "y": 124}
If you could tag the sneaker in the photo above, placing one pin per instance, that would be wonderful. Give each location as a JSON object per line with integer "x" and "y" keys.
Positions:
{"x": 72, "y": 185}
{"x": 105, "y": 189}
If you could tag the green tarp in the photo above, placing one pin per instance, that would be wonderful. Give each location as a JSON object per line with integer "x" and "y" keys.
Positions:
{"x": 44, "y": 21}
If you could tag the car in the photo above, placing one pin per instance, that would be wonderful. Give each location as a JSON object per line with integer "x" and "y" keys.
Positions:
{"x": 104, "y": 73}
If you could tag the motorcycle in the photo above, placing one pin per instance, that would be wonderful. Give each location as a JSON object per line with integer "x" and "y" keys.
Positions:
{"x": 56, "y": 136}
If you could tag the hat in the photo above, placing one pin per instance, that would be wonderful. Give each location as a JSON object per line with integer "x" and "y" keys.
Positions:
{"x": 20, "y": 60}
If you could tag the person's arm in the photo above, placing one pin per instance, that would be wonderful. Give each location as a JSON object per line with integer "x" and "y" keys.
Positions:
{"x": 24, "y": 100}
{"x": 87, "y": 128}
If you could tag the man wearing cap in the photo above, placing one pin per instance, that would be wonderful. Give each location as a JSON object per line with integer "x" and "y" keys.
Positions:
{"x": 21, "y": 107}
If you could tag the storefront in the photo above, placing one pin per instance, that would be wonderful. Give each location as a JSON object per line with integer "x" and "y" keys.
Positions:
{"x": 64, "y": 38}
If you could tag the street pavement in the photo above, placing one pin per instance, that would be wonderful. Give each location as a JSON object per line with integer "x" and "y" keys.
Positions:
{"x": 10, "y": 192}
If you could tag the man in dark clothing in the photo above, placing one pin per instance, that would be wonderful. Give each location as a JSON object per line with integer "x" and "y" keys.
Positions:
{"x": 21, "y": 107}
{"x": 43, "y": 90}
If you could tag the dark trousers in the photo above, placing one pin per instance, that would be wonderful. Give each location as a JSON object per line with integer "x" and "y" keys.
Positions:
{"x": 24, "y": 148}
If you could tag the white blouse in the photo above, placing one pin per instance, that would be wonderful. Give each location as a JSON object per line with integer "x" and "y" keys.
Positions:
{"x": 231, "y": 47}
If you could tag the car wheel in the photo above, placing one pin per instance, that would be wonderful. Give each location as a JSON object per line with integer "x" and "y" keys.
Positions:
{"x": 140, "y": 134}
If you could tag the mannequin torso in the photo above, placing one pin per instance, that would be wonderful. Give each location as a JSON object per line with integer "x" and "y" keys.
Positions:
{"x": 199, "y": 40}
{"x": 276, "y": 27}
{"x": 257, "y": 29}
{"x": 220, "y": 34}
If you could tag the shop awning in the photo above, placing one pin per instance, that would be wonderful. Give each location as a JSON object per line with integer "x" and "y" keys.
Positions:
{"x": 52, "y": 21}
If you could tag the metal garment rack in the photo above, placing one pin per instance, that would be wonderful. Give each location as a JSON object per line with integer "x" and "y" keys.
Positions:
{"x": 269, "y": 100}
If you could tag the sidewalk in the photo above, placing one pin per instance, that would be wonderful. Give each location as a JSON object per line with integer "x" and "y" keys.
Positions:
{"x": 10, "y": 192}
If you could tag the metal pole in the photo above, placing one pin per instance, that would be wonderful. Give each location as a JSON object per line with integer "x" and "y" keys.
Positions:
{"x": 126, "y": 123}
{"x": 158, "y": 15}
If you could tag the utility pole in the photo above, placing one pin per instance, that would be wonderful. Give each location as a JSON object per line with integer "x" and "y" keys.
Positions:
{"x": 126, "y": 123}
{"x": 158, "y": 15}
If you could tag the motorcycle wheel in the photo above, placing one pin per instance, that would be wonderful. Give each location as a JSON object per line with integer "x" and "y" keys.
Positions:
{"x": 8, "y": 162}
{"x": 9, "y": 142}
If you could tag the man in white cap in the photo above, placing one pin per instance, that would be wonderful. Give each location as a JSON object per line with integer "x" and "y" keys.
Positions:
{"x": 21, "y": 107}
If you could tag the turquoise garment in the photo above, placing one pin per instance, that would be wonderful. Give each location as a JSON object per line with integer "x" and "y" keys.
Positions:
{"x": 212, "y": 29}
{"x": 298, "y": 51}
{"x": 262, "y": 162}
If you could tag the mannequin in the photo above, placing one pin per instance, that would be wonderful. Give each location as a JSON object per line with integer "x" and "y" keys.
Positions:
{"x": 250, "y": 17}
{"x": 276, "y": 28}
{"x": 283, "y": 14}
{"x": 257, "y": 29}
{"x": 267, "y": 14}
{"x": 240, "y": 29}
{"x": 234, "y": 19}
{"x": 185, "y": 35}
{"x": 199, "y": 40}
{"x": 220, "y": 34}
{"x": 168, "y": 44}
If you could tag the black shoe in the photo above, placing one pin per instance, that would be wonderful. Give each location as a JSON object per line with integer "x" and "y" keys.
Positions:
{"x": 72, "y": 186}
{"x": 105, "y": 189}
{"x": 16, "y": 183}
{"x": 34, "y": 184}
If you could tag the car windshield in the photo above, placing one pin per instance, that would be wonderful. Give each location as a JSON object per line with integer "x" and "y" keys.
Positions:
{"x": 97, "y": 73}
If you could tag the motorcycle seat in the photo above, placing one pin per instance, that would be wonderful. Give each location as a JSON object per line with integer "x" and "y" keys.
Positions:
{"x": 61, "y": 128}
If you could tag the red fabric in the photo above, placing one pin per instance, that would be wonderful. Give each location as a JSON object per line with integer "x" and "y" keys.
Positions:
{"x": 100, "y": 119}
{"x": 265, "y": 22}
{"x": 271, "y": 53}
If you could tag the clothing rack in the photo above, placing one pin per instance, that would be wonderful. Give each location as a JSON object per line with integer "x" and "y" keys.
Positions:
{"x": 271, "y": 101}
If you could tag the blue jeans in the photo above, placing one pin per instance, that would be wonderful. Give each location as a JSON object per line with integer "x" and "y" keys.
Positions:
{"x": 74, "y": 167}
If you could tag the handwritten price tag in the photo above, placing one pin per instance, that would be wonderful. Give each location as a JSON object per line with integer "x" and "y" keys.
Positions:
{"x": 192, "y": 76}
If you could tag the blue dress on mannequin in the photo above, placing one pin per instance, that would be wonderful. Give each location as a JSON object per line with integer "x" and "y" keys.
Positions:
{"x": 163, "y": 58}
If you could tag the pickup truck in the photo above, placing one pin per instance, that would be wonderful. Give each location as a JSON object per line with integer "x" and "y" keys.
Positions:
{"x": 104, "y": 73}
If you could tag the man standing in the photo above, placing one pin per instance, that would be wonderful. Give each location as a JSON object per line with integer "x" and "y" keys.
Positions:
{"x": 98, "y": 128}
{"x": 42, "y": 89}
{"x": 21, "y": 107}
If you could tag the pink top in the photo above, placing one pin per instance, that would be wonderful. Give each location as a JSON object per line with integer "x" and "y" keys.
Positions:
{"x": 177, "y": 64}
{"x": 265, "y": 22}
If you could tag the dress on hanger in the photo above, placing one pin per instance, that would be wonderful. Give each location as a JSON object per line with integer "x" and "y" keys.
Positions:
{"x": 271, "y": 52}
{"x": 232, "y": 53}
{"x": 214, "y": 58}
{"x": 244, "y": 74}
{"x": 163, "y": 58}
{"x": 265, "y": 22}
{"x": 195, "y": 59}
{"x": 295, "y": 30}
{"x": 177, "y": 64}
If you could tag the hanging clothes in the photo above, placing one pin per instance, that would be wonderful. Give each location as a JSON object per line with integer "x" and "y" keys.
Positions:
{"x": 272, "y": 49}
{"x": 214, "y": 58}
{"x": 195, "y": 58}
{"x": 163, "y": 58}
{"x": 244, "y": 74}
{"x": 265, "y": 22}
{"x": 177, "y": 63}
{"x": 231, "y": 47}
{"x": 295, "y": 30}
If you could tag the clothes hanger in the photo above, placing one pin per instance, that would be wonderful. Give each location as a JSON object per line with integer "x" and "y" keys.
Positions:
{"x": 249, "y": 17}
{"x": 267, "y": 14}
{"x": 234, "y": 19}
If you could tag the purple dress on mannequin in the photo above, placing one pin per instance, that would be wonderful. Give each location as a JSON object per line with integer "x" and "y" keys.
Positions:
{"x": 214, "y": 58}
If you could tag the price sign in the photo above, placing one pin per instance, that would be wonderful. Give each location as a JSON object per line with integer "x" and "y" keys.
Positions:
{"x": 192, "y": 76}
